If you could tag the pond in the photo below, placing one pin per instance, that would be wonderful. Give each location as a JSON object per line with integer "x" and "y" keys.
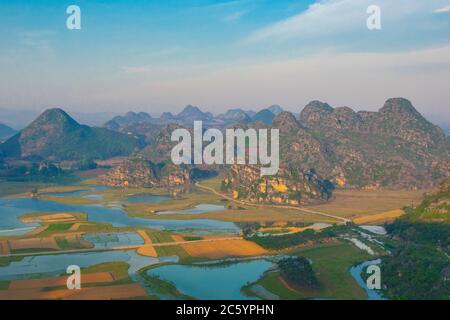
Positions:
{"x": 378, "y": 230}
{"x": 111, "y": 240}
{"x": 208, "y": 282}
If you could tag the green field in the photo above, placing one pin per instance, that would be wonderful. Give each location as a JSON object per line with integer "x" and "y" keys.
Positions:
{"x": 56, "y": 227}
{"x": 331, "y": 263}
{"x": 4, "y": 285}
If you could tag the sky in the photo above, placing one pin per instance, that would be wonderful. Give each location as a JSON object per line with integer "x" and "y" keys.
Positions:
{"x": 158, "y": 56}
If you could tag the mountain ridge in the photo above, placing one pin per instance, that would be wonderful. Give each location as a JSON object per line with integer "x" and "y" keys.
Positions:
{"x": 54, "y": 135}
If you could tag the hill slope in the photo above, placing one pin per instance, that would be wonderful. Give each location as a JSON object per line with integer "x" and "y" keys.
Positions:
{"x": 55, "y": 136}
{"x": 394, "y": 147}
{"x": 6, "y": 132}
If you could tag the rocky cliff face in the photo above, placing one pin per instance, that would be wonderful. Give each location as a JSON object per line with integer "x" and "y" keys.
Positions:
{"x": 291, "y": 186}
{"x": 131, "y": 173}
{"x": 142, "y": 173}
{"x": 394, "y": 147}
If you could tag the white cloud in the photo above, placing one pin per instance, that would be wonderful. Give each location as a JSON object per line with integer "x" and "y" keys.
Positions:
{"x": 442, "y": 10}
{"x": 359, "y": 80}
{"x": 235, "y": 16}
{"x": 332, "y": 17}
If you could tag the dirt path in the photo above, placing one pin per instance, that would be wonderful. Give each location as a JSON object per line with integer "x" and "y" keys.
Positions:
{"x": 344, "y": 220}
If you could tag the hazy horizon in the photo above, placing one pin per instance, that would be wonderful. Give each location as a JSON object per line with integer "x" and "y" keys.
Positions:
{"x": 160, "y": 56}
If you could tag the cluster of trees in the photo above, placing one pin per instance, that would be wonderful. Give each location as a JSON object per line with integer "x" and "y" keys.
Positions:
{"x": 416, "y": 272}
{"x": 280, "y": 242}
{"x": 33, "y": 170}
{"x": 285, "y": 241}
{"x": 417, "y": 268}
{"x": 298, "y": 272}
{"x": 433, "y": 234}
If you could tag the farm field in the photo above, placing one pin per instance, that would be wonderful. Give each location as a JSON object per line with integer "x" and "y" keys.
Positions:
{"x": 64, "y": 231}
{"x": 223, "y": 249}
{"x": 355, "y": 203}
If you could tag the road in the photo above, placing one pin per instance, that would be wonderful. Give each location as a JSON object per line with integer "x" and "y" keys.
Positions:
{"x": 344, "y": 220}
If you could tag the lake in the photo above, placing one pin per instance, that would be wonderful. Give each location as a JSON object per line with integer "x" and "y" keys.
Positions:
{"x": 209, "y": 282}
{"x": 11, "y": 208}
{"x": 53, "y": 265}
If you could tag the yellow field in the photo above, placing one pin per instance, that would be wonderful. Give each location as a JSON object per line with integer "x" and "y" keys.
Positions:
{"x": 355, "y": 203}
{"x": 178, "y": 238}
{"x": 289, "y": 229}
{"x": 147, "y": 249}
{"x": 379, "y": 217}
{"x": 222, "y": 249}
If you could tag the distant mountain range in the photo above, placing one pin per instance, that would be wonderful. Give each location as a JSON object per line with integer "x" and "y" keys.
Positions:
{"x": 190, "y": 114}
{"x": 395, "y": 147}
{"x": 6, "y": 132}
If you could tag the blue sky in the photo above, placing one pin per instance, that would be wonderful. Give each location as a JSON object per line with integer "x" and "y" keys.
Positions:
{"x": 161, "y": 55}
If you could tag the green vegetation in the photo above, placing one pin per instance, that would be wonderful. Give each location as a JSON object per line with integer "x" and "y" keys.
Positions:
{"x": 192, "y": 238}
{"x": 331, "y": 263}
{"x": 175, "y": 250}
{"x": 5, "y": 261}
{"x": 64, "y": 244}
{"x": 419, "y": 265}
{"x": 435, "y": 207}
{"x": 18, "y": 187}
{"x": 118, "y": 269}
{"x": 169, "y": 250}
{"x": 187, "y": 201}
{"x": 94, "y": 227}
{"x": 297, "y": 271}
{"x": 77, "y": 142}
{"x": 162, "y": 287}
{"x": 271, "y": 282}
{"x": 416, "y": 272}
{"x": 56, "y": 227}
{"x": 159, "y": 236}
{"x": 78, "y": 216}
{"x": 434, "y": 234}
{"x": 4, "y": 285}
{"x": 287, "y": 240}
